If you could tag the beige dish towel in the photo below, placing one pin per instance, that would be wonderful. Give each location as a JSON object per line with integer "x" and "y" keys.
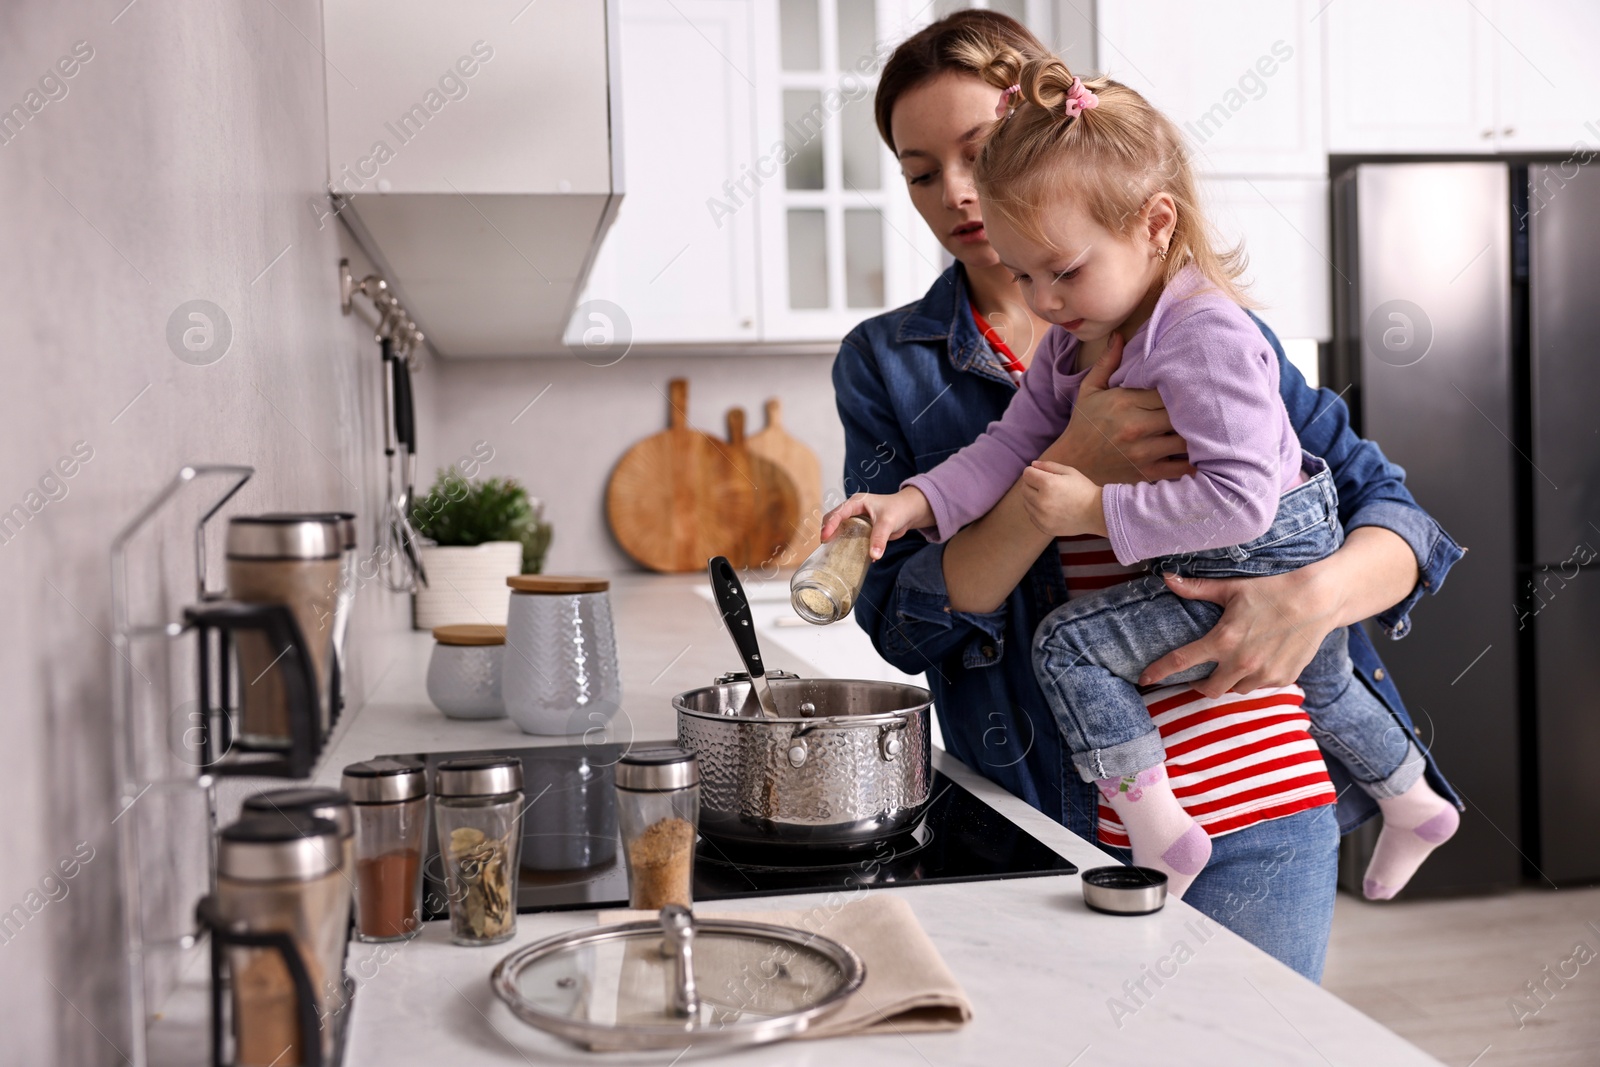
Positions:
{"x": 908, "y": 988}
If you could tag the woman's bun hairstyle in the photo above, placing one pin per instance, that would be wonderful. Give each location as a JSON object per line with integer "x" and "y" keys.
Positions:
{"x": 939, "y": 48}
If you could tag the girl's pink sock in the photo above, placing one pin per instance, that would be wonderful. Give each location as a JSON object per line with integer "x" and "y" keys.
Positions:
{"x": 1414, "y": 824}
{"x": 1163, "y": 835}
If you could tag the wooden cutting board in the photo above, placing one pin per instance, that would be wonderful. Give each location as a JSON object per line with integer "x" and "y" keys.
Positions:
{"x": 777, "y": 503}
{"x": 678, "y": 498}
{"x": 800, "y": 463}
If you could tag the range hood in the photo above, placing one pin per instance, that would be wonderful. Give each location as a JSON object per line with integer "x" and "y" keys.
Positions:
{"x": 475, "y": 153}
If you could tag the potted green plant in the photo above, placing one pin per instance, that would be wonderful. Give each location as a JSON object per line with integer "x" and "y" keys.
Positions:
{"x": 475, "y": 534}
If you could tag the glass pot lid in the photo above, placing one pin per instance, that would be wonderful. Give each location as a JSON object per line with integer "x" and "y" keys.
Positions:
{"x": 677, "y": 981}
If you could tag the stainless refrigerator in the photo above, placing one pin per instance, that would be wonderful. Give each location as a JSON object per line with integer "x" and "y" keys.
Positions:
{"x": 1466, "y": 344}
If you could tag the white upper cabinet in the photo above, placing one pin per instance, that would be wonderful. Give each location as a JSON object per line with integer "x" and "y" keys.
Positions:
{"x": 1242, "y": 79}
{"x": 1419, "y": 76}
{"x": 471, "y": 150}
{"x": 1410, "y": 76}
{"x": 681, "y": 267}
{"x": 761, "y": 204}
{"x": 1548, "y": 79}
{"x": 840, "y": 240}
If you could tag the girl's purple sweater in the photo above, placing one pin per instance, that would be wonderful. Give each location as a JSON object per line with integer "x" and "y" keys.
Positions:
{"x": 1217, "y": 376}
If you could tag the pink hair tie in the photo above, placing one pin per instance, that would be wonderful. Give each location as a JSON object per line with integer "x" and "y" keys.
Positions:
{"x": 1004, "y": 105}
{"x": 1079, "y": 99}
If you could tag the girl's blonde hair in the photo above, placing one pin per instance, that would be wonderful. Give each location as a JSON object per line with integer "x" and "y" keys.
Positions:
{"x": 1112, "y": 158}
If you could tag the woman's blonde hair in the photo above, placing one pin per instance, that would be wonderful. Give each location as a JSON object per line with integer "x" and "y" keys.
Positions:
{"x": 1112, "y": 158}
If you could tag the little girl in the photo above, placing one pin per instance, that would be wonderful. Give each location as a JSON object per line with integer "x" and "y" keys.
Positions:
{"x": 1090, "y": 202}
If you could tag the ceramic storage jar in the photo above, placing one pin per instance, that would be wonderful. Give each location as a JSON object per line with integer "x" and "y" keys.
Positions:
{"x": 464, "y": 672}
{"x": 560, "y": 672}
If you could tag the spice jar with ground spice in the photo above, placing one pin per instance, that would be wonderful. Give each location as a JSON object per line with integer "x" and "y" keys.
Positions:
{"x": 824, "y": 588}
{"x": 658, "y": 810}
{"x": 390, "y": 797}
{"x": 477, "y": 808}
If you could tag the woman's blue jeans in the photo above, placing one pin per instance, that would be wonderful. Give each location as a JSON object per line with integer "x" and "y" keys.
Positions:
{"x": 1273, "y": 885}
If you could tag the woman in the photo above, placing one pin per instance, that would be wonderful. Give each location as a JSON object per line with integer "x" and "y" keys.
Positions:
{"x": 918, "y": 383}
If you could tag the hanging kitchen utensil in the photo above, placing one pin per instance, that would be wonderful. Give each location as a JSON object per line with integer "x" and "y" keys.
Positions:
{"x": 776, "y": 514}
{"x": 735, "y": 609}
{"x": 676, "y": 498}
{"x": 677, "y": 981}
{"x": 402, "y": 564}
{"x": 775, "y": 444}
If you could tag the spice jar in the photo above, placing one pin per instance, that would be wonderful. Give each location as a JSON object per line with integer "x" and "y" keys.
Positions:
{"x": 658, "y": 810}
{"x": 464, "y": 671}
{"x": 390, "y": 797}
{"x": 293, "y": 560}
{"x": 824, "y": 588}
{"x": 330, "y": 804}
{"x": 477, "y": 807}
{"x": 277, "y": 872}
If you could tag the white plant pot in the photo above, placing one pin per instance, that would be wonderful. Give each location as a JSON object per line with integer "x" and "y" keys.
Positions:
{"x": 466, "y": 584}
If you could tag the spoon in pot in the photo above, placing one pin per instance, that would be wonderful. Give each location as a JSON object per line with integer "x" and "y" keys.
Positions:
{"x": 735, "y": 608}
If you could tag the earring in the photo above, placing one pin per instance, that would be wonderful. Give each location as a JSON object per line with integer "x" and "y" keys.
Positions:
{"x": 1162, "y": 254}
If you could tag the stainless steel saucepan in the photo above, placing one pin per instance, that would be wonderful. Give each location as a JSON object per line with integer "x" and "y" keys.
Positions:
{"x": 827, "y": 762}
{"x": 844, "y": 763}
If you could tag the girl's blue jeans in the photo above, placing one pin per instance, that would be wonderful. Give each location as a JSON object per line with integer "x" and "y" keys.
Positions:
{"x": 1089, "y": 652}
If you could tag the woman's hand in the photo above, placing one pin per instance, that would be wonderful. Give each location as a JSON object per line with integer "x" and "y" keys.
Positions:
{"x": 1062, "y": 501}
{"x": 1121, "y": 435}
{"x": 891, "y": 515}
{"x": 1272, "y": 626}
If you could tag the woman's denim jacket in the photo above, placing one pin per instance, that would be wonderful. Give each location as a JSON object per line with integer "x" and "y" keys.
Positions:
{"x": 914, "y": 385}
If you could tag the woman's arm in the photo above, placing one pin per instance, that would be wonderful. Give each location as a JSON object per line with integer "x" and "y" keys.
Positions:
{"x": 1272, "y": 626}
{"x": 903, "y": 606}
{"x": 1393, "y": 553}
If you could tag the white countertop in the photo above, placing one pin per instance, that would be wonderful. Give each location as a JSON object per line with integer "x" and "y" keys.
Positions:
{"x": 1040, "y": 968}
{"x": 1042, "y": 971}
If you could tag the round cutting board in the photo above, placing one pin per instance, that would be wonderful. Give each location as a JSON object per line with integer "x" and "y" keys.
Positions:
{"x": 678, "y": 498}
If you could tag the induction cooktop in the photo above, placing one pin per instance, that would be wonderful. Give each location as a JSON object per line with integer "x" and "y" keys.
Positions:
{"x": 571, "y": 854}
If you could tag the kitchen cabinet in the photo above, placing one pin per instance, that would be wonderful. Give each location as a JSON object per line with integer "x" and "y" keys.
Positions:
{"x": 1409, "y": 76}
{"x": 1547, "y": 81}
{"x": 681, "y": 268}
{"x": 762, "y": 205}
{"x": 471, "y": 152}
{"x": 1242, "y": 80}
{"x": 1493, "y": 76}
{"x": 1284, "y": 225}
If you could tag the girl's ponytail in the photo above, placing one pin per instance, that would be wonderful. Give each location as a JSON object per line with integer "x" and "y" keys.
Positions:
{"x": 1105, "y": 143}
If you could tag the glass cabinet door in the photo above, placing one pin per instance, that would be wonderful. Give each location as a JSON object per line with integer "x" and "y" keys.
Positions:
{"x": 840, "y": 240}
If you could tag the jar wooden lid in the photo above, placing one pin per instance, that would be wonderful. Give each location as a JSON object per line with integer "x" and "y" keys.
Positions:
{"x": 551, "y": 583}
{"x": 470, "y": 633}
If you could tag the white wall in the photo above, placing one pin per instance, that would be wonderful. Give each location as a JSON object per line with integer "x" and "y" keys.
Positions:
{"x": 178, "y": 165}
{"x": 565, "y": 446}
